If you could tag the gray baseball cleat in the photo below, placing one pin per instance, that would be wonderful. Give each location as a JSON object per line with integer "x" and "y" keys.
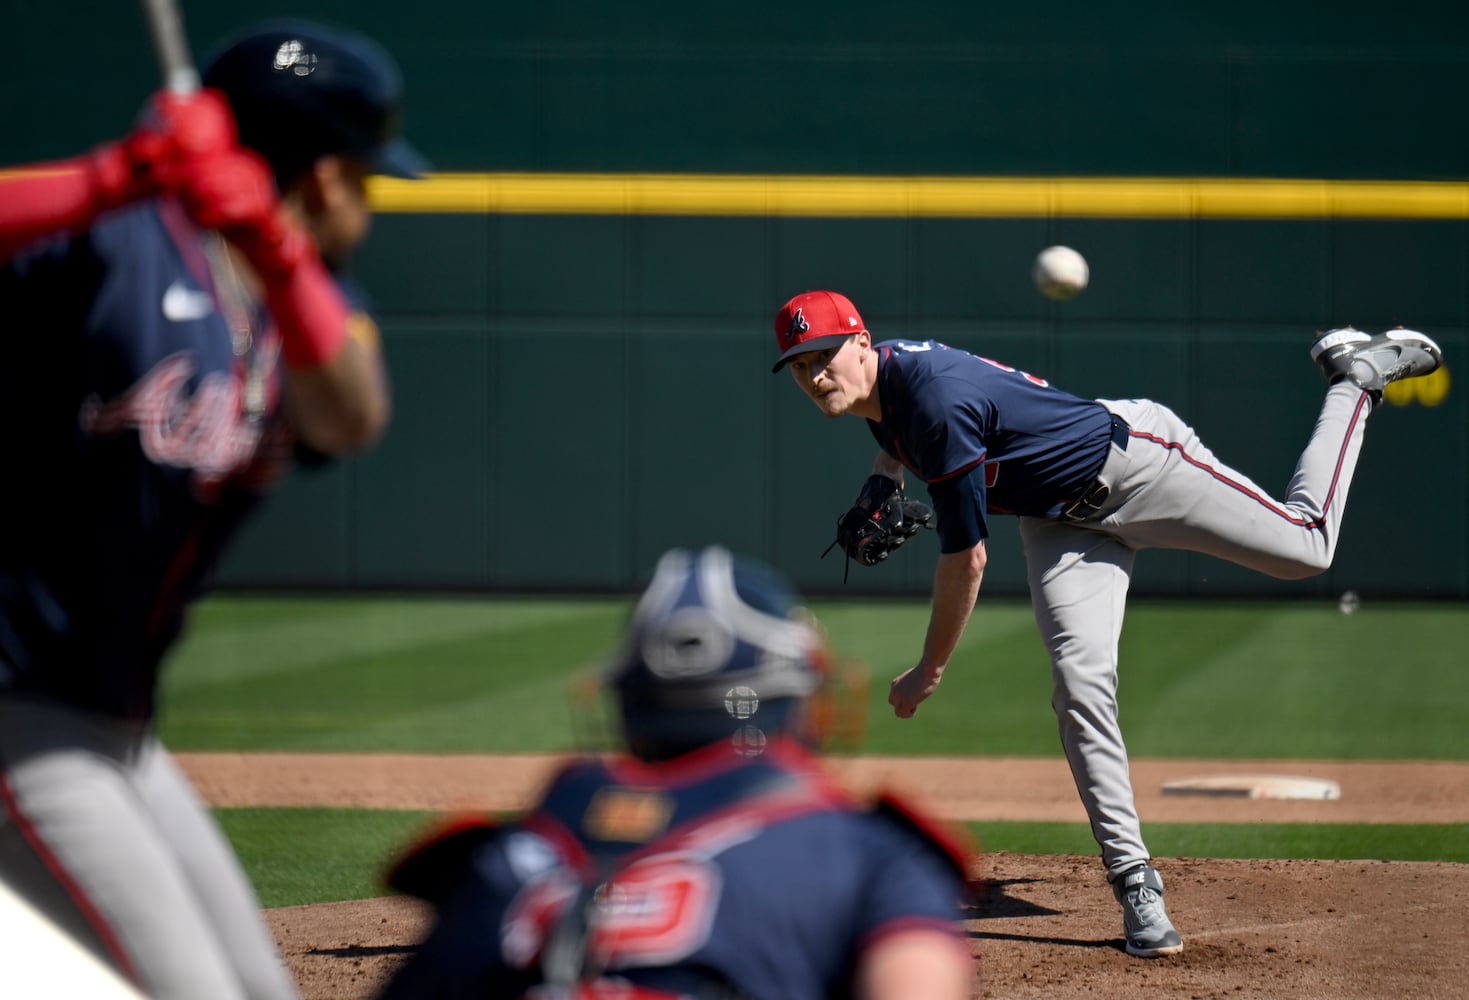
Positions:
{"x": 1372, "y": 362}
{"x": 1145, "y": 922}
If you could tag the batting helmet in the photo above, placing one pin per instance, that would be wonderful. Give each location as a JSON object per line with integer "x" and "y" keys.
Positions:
{"x": 718, "y": 648}
{"x": 301, "y": 90}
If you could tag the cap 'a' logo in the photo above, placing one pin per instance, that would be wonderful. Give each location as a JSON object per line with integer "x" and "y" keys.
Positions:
{"x": 798, "y": 325}
{"x": 292, "y": 55}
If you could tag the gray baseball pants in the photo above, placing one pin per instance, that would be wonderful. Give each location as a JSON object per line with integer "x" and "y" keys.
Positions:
{"x": 100, "y": 830}
{"x": 1167, "y": 490}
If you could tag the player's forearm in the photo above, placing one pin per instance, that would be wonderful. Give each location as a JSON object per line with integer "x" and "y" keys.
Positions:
{"x": 922, "y": 965}
{"x": 887, "y": 465}
{"x": 343, "y": 404}
{"x": 956, "y": 582}
{"x": 336, "y": 391}
{"x": 64, "y": 196}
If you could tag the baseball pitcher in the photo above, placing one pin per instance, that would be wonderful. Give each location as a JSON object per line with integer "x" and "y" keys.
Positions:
{"x": 1092, "y": 482}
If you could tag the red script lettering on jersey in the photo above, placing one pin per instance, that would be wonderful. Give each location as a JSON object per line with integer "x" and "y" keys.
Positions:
{"x": 206, "y": 431}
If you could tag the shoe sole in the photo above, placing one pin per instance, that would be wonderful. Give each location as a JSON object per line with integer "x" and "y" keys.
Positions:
{"x": 1418, "y": 340}
{"x": 1172, "y": 949}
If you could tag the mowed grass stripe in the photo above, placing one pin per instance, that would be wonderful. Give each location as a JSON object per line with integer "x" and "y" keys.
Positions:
{"x": 298, "y": 856}
{"x": 1286, "y": 681}
{"x": 995, "y": 696}
{"x": 466, "y": 675}
{"x": 493, "y": 689}
{"x": 248, "y": 638}
{"x": 1328, "y": 841}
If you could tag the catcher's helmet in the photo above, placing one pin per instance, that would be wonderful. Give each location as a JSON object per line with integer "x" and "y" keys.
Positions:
{"x": 718, "y": 648}
{"x": 301, "y": 90}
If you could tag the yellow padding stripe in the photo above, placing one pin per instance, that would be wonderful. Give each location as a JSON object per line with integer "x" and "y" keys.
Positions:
{"x": 936, "y": 197}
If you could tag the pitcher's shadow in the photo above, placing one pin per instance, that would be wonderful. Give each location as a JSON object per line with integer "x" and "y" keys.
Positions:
{"x": 995, "y": 902}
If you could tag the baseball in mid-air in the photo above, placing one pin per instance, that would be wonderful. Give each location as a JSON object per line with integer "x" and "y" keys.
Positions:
{"x": 1060, "y": 272}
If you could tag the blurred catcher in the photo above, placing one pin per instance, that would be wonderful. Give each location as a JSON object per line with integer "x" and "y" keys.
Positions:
{"x": 178, "y": 330}
{"x": 716, "y": 858}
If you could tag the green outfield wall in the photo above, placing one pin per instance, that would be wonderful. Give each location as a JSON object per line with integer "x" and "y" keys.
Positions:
{"x": 576, "y": 307}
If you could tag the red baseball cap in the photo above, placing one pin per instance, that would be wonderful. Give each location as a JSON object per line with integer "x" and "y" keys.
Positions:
{"x": 814, "y": 321}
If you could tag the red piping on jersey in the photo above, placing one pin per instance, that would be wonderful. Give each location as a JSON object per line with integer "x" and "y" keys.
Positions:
{"x": 68, "y": 884}
{"x": 187, "y": 240}
{"x": 961, "y": 470}
{"x": 959, "y": 849}
{"x": 571, "y": 849}
{"x": 949, "y": 928}
{"x": 173, "y": 580}
{"x": 707, "y": 761}
{"x": 816, "y": 790}
{"x": 1311, "y": 524}
{"x": 903, "y": 454}
{"x": 714, "y": 828}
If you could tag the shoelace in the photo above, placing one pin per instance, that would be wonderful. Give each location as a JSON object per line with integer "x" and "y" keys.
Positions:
{"x": 1147, "y": 904}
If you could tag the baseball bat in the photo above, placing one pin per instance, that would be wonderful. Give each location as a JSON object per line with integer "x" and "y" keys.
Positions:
{"x": 166, "y": 26}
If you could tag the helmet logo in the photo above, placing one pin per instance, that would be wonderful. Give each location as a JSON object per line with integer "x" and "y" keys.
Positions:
{"x": 688, "y": 643}
{"x": 293, "y": 56}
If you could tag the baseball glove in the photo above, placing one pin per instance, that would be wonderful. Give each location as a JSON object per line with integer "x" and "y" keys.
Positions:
{"x": 879, "y": 522}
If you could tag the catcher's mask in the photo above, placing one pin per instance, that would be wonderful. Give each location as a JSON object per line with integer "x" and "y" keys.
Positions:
{"x": 719, "y": 648}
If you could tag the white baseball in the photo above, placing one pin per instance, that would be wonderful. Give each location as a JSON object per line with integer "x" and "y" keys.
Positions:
{"x": 1060, "y": 272}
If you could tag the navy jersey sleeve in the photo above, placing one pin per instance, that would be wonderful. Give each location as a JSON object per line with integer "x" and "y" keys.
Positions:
{"x": 932, "y": 422}
{"x": 959, "y": 504}
{"x": 909, "y": 884}
{"x": 956, "y": 450}
{"x": 945, "y": 427}
{"x": 948, "y": 430}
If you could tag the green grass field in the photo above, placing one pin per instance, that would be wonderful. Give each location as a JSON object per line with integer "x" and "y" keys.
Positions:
{"x": 489, "y": 674}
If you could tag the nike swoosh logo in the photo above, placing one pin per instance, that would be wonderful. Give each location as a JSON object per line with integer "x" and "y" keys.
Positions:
{"x": 182, "y": 303}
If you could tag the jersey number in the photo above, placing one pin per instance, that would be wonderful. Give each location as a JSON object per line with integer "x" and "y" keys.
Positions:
{"x": 656, "y": 911}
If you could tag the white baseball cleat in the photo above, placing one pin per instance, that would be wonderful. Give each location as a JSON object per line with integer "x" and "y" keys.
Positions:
{"x": 1371, "y": 363}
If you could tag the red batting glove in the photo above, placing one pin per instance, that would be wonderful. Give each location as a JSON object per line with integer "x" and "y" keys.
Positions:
{"x": 175, "y": 127}
{"x": 234, "y": 193}
{"x": 194, "y": 124}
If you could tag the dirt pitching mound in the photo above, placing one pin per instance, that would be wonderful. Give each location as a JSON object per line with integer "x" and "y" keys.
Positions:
{"x": 1044, "y": 926}
{"x": 1048, "y": 927}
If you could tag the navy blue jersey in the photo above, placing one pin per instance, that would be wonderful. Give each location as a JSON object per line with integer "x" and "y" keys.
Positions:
{"x": 140, "y": 410}
{"x": 712, "y": 875}
{"x": 985, "y": 437}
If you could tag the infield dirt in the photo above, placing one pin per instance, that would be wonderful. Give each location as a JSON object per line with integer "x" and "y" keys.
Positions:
{"x": 1046, "y": 926}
